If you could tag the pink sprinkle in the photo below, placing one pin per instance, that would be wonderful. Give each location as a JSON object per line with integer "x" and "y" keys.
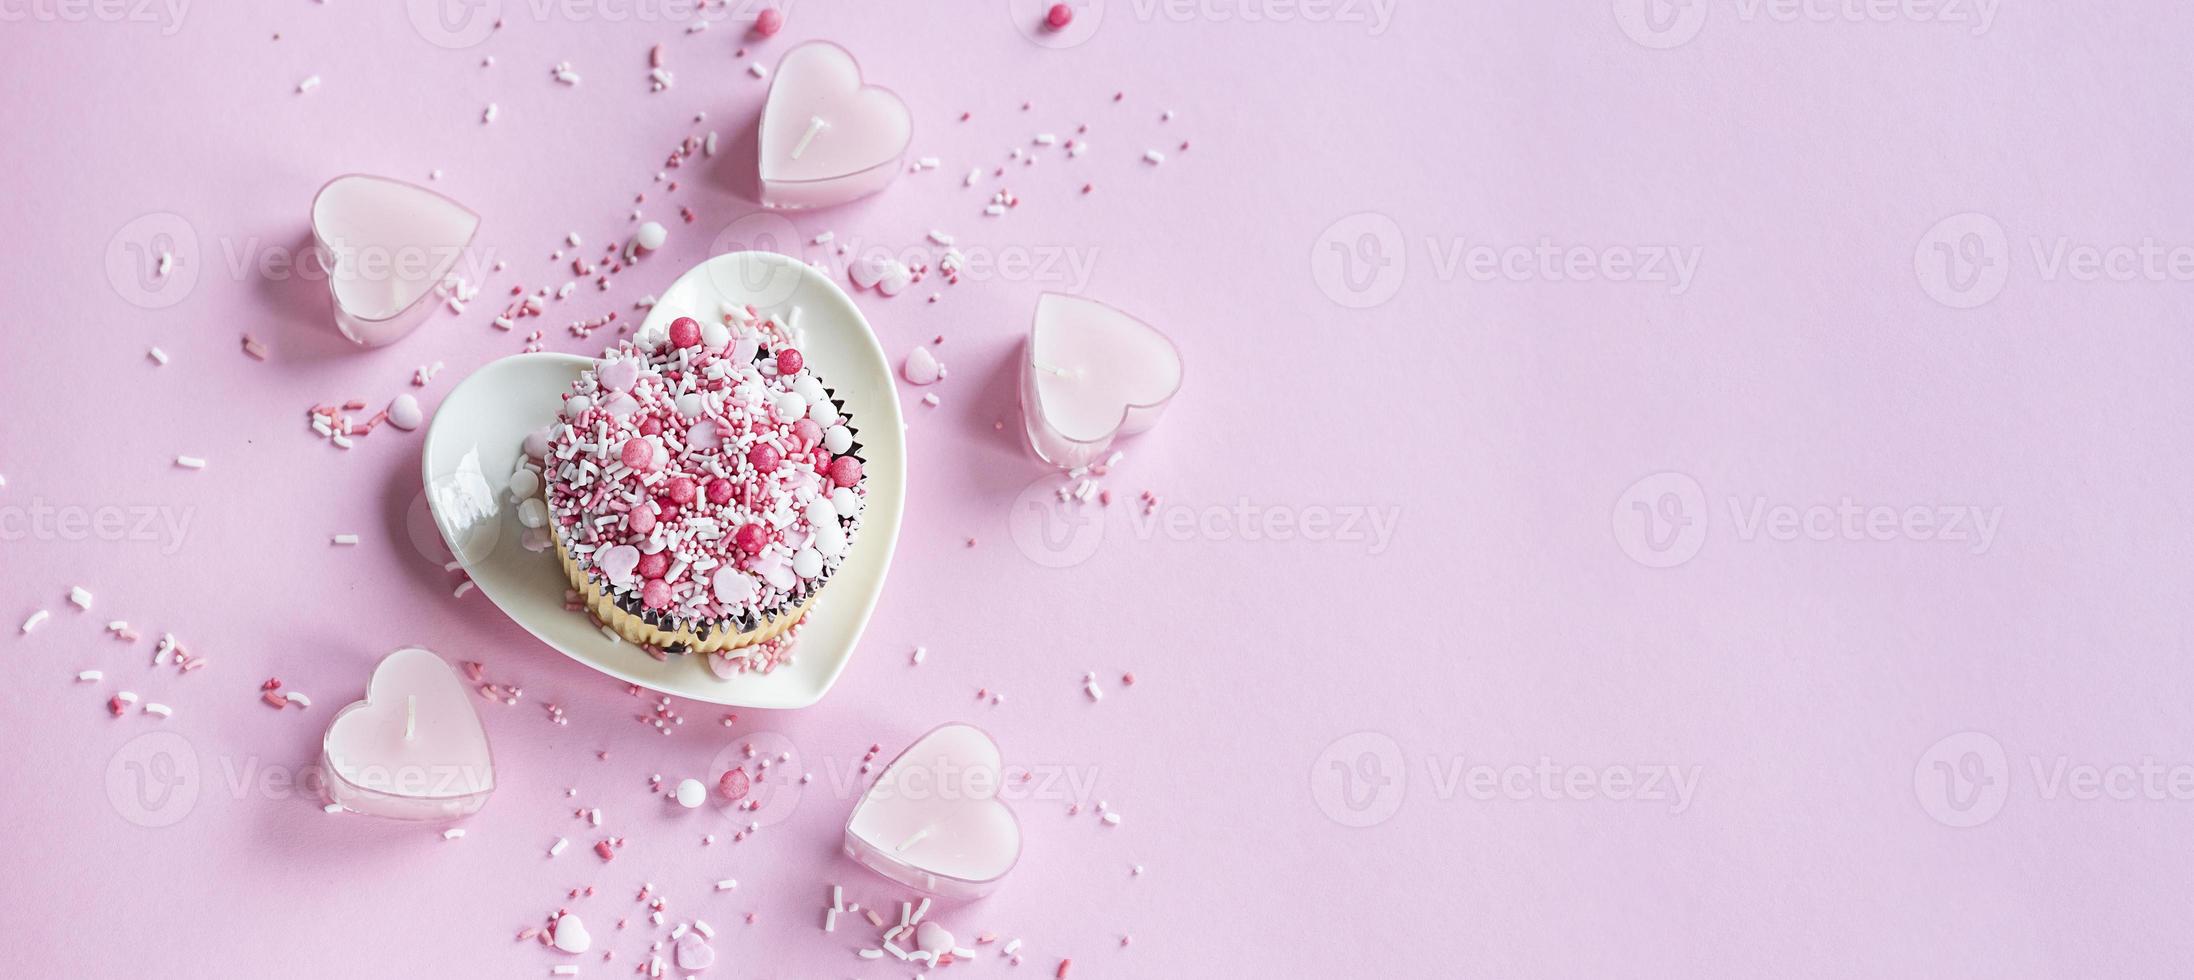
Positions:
{"x": 1059, "y": 16}
{"x": 638, "y": 454}
{"x": 769, "y": 22}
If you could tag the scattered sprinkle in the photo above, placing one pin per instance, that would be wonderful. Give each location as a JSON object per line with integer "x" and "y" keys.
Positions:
{"x": 345, "y": 539}
{"x": 190, "y": 462}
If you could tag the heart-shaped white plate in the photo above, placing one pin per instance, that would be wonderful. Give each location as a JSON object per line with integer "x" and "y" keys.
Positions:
{"x": 478, "y": 431}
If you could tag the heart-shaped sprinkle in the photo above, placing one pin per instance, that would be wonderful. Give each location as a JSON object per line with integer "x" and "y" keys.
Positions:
{"x": 826, "y": 137}
{"x": 733, "y": 587}
{"x": 694, "y": 953}
{"x": 404, "y": 412}
{"x": 868, "y": 270}
{"x": 932, "y": 938}
{"x": 618, "y": 561}
{"x": 922, "y": 367}
{"x": 571, "y": 934}
{"x": 619, "y": 374}
{"x": 704, "y": 435}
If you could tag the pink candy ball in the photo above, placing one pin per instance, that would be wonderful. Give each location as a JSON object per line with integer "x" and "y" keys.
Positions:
{"x": 650, "y": 427}
{"x": 764, "y": 457}
{"x": 751, "y": 538}
{"x": 682, "y": 490}
{"x": 807, "y": 433}
{"x": 789, "y": 361}
{"x": 769, "y": 22}
{"x": 640, "y": 520}
{"x": 719, "y": 491}
{"x": 637, "y": 453}
{"x": 1059, "y": 16}
{"x": 845, "y": 471}
{"x": 655, "y": 594}
{"x": 653, "y": 566}
{"x": 685, "y": 332}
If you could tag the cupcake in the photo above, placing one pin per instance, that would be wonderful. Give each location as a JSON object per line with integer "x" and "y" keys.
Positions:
{"x": 702, "y": 486}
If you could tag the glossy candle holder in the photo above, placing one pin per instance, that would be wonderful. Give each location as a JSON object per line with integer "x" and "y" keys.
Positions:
{"x": 825, "y": 137}
{"x": 386, "y": 247}
{"x": 414, "y": 749}
{"x": 1090, "y": 374}
{"x": 933, "y": 821}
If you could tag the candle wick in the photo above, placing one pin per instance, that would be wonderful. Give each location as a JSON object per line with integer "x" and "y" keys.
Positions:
{"x": 411, "y": 716}
{"x": 815, "y": 125}
{"x": 918, "y": 835}
{"x": 1060, "y": 372}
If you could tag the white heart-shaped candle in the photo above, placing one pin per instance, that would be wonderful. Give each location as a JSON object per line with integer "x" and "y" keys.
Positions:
{"x": 386, "y": 246}
{"x": 933, "y": 820}
{"x": 826, "y": 138}
{"x": 414, "y": 748}
{"x": 1092, "y": 373}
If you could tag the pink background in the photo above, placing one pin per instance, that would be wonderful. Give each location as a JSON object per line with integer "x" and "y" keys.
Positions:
{"x": 1504, "y": 421}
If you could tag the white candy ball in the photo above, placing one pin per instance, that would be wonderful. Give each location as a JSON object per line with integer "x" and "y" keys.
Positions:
{"x": 808, "y": 563}
{"x": 820, "y": 512}
{"x": 846, "y": 501}
{"x": 715, "y": 335}
{"x": 789, "y": 405}
{"x": 809, "y": 388}
{"x": 822, "y": 412}
{"x": 532, "y": 512}
{"x": 830, "y": 539}
{"x": 837, "y": 439}
{"x": 691, "y": 793}
{"x": 524, "y": 484}
{"x": 576, "y": 406}
{"x": 650, "y": 236}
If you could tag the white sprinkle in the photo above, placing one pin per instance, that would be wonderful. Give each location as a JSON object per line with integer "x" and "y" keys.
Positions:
{"x": 872, "y": 954}
{"x": 930, "y": 399}
{"x": 345, "y": 539}
{"x": 564, "y": 970}
{"x": 79, "y": 597}
{"x": 919, "y": 912}
{"x": 919, "y": 653}
{"x": 558, "y": 847}
{"x": 1013, "y": 947}
{"x": 823, "y": 238}
{"x": 1095, "y": 693}
{"x": 830, "y": 920}
{"x": 1153, "y": 157}
{"x": 488, "y": 115}
{"x": 1046, "y": 139}
{"x": 1136, "y": 871}
{"x": 995, "y": 210}
{"x": 704, "y": 929}
{"x": 727, "y": 884}
{"x": 837, "y": 897}
{"x": 453, "y": 833}
{"x": 297, "y": 699}
{"x": 1166, "y": 116}
{"x": 755, "y": 69}
{"x": 462, "y": 588}
{"x": 310, "y": 83}
{"x": 158, "y": 356}
{"x": 190, "y": 462}
{"x": 973, "y": 175}
{"x": 1111, "y": 819}
{"x": 708, "y": 143}
{"x": 939, "y": 237}
{"x": 88, "y": 676}
{"x": 158, "y": 710}
{"x": 927, "y": 163}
